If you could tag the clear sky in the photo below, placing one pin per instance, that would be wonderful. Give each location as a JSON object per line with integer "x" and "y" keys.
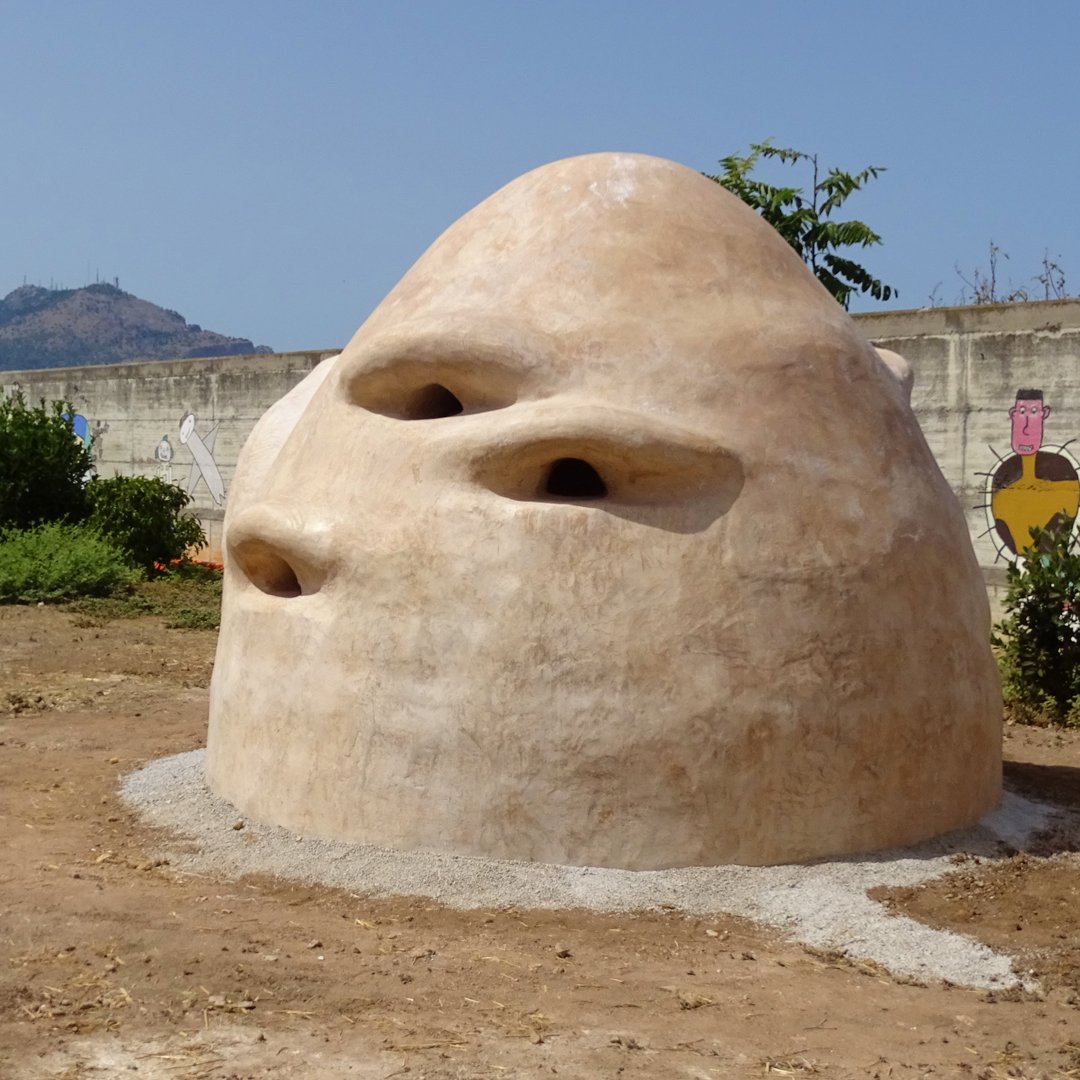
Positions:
{"x": 270, "y": 168}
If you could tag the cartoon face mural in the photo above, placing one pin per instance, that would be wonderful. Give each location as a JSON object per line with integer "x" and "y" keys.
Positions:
{"x": 607, "y": 540}
{"x": 163, "y": 455}
{"x": 1028, "y": 415}
{"x": 1033, "y": 487}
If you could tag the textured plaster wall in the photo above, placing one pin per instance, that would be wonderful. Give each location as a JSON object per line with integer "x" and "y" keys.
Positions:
{"x": 968, "y": 364}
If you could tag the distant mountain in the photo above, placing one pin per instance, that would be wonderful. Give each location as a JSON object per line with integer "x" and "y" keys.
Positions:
{"x": 100, "y": 324}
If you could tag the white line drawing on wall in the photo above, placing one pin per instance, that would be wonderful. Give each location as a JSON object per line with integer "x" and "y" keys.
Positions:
{"x": 203, "y": 465}
{"x": 163, "y": 455}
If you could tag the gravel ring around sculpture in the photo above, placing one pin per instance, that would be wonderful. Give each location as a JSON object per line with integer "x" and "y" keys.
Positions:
{"x": 823, "y": 904}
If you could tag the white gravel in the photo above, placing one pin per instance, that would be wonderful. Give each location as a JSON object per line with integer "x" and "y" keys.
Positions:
{"x": 822, "y": 904}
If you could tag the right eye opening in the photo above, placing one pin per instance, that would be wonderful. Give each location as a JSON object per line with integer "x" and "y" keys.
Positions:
{"x": 666, "y": 468}
{"x": 574, "y": 478}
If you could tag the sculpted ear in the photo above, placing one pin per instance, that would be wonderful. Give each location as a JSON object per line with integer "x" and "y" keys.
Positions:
{"x": 900, "y": 370}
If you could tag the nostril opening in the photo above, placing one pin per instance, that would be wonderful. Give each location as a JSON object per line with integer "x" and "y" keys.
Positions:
{"x": 267, "y": 570}
{"x": 432, "y": 403}
{"x": 572, "y": 478}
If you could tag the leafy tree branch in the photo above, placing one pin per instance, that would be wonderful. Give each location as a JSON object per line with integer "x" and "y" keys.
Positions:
{"x": 803, "y": 216}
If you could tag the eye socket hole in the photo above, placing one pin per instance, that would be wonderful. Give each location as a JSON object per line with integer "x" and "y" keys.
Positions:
{"x": 572, "y": 478}
{"x": 432, "y": 402}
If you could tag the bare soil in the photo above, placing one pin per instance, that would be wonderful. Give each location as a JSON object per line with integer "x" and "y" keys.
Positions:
{"x": 114, "y": 964}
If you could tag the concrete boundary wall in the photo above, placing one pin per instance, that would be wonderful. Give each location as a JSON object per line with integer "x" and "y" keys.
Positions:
{"x": 969, "y": 364}
{"x": 184, "y": 420}
{"x": 165, "y": 417}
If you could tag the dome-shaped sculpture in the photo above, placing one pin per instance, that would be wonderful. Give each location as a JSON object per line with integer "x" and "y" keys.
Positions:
{"x": 606, "y": 540}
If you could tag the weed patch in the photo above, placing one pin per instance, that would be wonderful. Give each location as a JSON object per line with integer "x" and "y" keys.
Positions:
{"x": 187, "y": 596}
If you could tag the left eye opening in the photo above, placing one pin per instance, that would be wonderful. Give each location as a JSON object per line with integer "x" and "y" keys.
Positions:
{"x": 431, "y": 402}
{"x": 413, "y": 395}
{"x": 418, "y": 390}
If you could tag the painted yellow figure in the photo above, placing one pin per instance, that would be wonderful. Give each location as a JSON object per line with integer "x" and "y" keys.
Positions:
{"x": 1034, "y": 487}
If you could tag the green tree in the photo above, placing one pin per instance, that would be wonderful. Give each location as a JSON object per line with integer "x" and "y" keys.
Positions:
{"x": 43, "y": 464}
{"x": 144, "y": 516}
{"x": 804, "y": 217}
{"x": 1038, "y": 641}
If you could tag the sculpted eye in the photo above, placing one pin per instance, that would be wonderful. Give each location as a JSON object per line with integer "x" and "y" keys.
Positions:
{"x": 418, "y": 389}
{"x": 431, "y": 403}
{"x": 573, "y": 478}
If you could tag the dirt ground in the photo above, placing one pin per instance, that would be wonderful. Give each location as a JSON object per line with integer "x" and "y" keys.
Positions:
{"x": 114, "y": 964}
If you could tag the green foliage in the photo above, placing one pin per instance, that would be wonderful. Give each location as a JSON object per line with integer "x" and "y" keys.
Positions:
{"x": 187, "y": 596}
{"x": 145, "y": 517}
{"x": 57, "y": 561}
{"x": 1038, "y": 641}
{"x": 43, "y": 479}
{"x": 43, "y": 465}
{"x": 804, "y": 218}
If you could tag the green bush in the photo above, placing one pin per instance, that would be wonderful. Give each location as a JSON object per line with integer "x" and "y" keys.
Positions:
{"x": 1038, "y": 641}
{"x": 58, "y": 561}
{"x": 144, "y": 516}
{"x": 65, "y": 535}
{"x": 43, "y": 465}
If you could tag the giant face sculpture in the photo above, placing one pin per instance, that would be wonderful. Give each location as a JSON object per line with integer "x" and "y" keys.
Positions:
{"x": 607, "y": 540}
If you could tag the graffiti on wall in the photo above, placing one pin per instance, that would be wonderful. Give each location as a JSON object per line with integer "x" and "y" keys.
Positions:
{"x": 88, "y": 434}
{"x": 81, "y": 427}
{"x": 163, "y": 455}
{"x": 97, "y": 446}
{"x": 204, "y": 469}
{"x": 1034, "y": 486}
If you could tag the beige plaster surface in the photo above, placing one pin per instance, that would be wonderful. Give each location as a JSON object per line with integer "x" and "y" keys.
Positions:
{"x": 765, "y": 641}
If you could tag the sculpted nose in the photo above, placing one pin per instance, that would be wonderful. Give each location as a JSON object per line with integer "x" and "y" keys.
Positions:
{"x": 279, "y": 550}
{"x": 596, "y": 454}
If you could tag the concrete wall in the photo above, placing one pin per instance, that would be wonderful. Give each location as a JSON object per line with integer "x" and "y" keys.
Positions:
{"x": 969, "y": 363}
{"x": 131, "y": 409}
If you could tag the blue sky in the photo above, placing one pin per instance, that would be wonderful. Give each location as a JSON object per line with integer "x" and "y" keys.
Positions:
{"x": 270, "y": 169}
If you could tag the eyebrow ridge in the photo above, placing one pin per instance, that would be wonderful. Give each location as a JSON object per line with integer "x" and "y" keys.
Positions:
{"x": 512, "y": 351}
